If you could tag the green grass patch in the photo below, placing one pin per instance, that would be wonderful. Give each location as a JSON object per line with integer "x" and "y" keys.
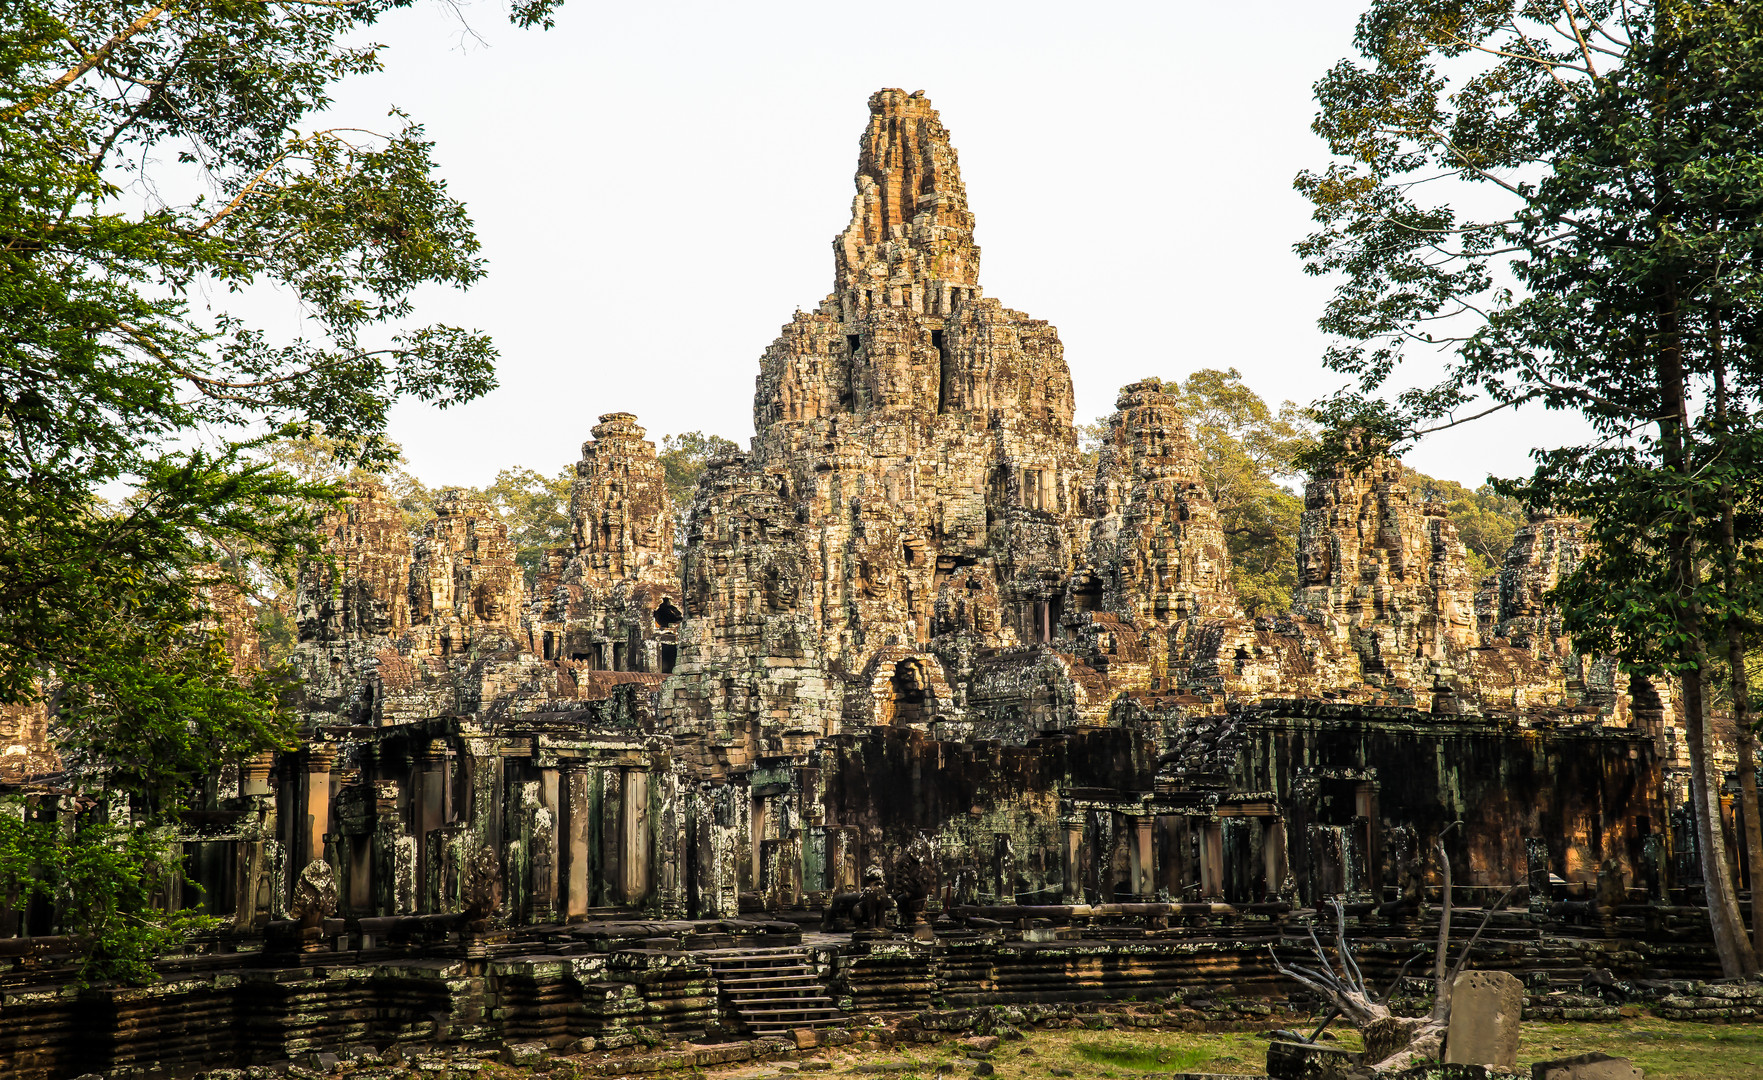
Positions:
{"x": 1141, "y": 1056}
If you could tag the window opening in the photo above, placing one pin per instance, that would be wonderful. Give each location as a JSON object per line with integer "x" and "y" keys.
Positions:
{"x": 945, "y": 370}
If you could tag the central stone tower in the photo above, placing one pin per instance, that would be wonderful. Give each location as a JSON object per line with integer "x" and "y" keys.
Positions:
{"x": 914, "y": 494}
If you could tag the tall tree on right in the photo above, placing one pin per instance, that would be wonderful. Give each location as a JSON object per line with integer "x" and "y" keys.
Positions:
{"x": 1566, "y": 199}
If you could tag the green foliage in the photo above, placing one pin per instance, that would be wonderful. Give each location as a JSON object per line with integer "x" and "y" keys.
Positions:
{"x": 1089, "y": 444}
{"x": 1248, "y": 452}
{"x": 683, "y": 458}
{"x": 1613, "y": 153}
{"x": 321, "y": 459}
{"x": 536, "y": 508}
{"x": 1613, "y": 269}
{"x": 1486, "y": 520}
{"x": 112, "y": 380}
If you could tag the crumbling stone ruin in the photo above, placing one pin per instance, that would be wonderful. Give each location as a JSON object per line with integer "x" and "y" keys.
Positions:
{"x": 909, "y": 650}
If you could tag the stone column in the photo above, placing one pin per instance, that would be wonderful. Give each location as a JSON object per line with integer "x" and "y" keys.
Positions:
{"x": 634, "y": 848}
{"x": 254, "y": 785}
{"x": 841, "y": 873}
{"x": 319, "y": 759}
{"x": 255, "y": 774}
{"x": 545, "y": 847}
{"x": 1074, "y": 842}
{"x": 1273, "y": 853}
{"x": 432, "y": 795}
{"x": 1143, "y": 862}
{"x": 576, "y": 856}
{"x": 756, "y": 836}
{"x": 1365, "y": 808}
{"x": 395, "y": 857}
{"x": 1212, "y": 860}
{"x": 609, "y": 814}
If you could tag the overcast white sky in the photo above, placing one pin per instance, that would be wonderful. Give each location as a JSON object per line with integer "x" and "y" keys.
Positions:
{"x": 657, "y": 185}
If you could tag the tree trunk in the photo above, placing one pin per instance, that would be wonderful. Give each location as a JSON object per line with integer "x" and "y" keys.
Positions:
{"x": 1739, "y": 676}
{"x": 1736, "y": 957}
{"x": 1753, "y": 830}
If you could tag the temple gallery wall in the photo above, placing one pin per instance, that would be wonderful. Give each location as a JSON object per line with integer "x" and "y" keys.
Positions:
{"x": 909, "y": 666}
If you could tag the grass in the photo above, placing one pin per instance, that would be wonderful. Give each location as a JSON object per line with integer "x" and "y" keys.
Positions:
{"x": 1142, "y": 1056}
{"x": 1662, "y": 1049}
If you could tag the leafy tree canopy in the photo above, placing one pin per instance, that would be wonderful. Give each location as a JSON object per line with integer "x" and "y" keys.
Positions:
{"x": 683, "y": 458}
{"x": 1564, "y": 201}
{"x": 1486, "y": 520}
{"x": 536, "y": 508}
{"x": 157, "y": 161}
{"x": 1248, "y": 458}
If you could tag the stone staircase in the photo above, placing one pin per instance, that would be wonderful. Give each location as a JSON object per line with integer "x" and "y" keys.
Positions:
{"x": 771, "y": 990}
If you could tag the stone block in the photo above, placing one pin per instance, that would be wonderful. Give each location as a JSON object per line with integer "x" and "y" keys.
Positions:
{"x": 1486, "y": 1007}
{"x": 806, "y": 1039}
{"x": 524, "y": 1055}
{"x": 1586, "y": 1067}
{"x": 981, "y": 1042}
{"x": 1309, "y": 1061}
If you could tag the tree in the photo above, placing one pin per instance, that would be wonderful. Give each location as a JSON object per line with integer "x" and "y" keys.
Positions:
{"x": 152, "y": 156}
{"x": 1248, "y": 454}
{"x": 683, "y": 458}
{"x": 536, "y": 509}
{"x": 1486, "y": 520}
{"x": 1610, "y": 151}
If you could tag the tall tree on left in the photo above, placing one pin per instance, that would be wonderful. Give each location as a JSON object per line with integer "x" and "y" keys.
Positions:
{"x": 157, "y": 159}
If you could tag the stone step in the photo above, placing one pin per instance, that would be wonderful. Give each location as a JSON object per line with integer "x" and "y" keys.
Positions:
{"x": 802, "y": 993}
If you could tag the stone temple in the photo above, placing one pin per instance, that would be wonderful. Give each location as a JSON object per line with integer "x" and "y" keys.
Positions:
{"x": 909, "y": 653}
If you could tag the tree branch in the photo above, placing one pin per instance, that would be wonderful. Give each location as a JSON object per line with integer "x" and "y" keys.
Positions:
{"x": 87, "y": 63}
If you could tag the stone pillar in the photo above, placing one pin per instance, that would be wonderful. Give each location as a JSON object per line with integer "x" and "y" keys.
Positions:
{"x": 1365, "y": 808}
{"x": 432, "y": 795}
{"x": 668, "y": 844}
{"x": 576, "y": 855}
{"x": 1212, "y": 860}
{"x": 256, "y": 770}
{"x": 609, "y": 815}
{"x": 395, "y": 859}
{"x": 841, "y": 869}
{"x": 634, "y": 848}
{"x": 1143, "y": 862}
{"x": 756, "y": 836}
{"x": 254, "y": 785}
{"x": 1273, "y": 853}
{"x": 319, "y": 759}
{"x": 1074, "y": 842}
{"x": 545, "y": 847}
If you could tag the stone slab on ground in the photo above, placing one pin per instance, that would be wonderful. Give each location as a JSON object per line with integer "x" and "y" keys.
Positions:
{"x": 1586, "y": 1067}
